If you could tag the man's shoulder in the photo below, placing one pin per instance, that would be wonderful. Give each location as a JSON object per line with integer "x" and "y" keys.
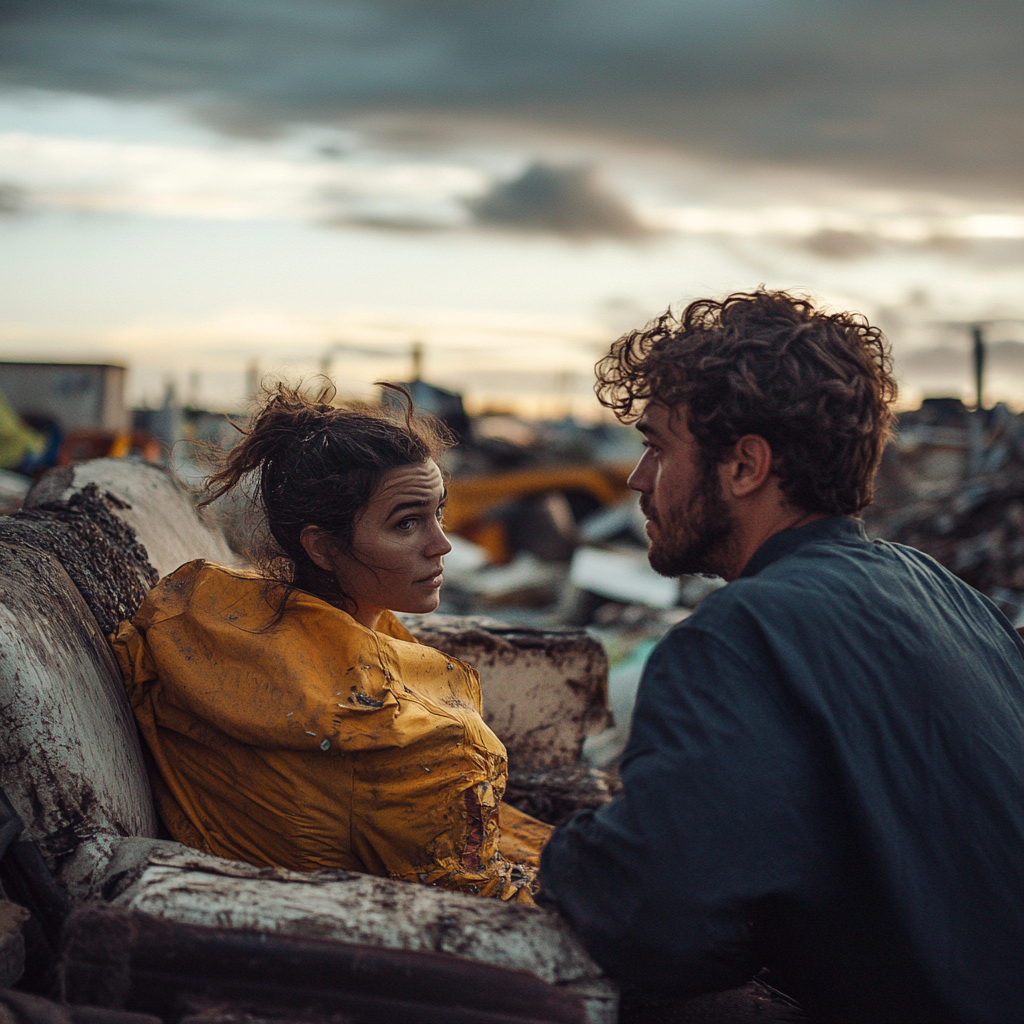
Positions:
{"x": 827, "y": 579}
{"x": 853, "y": 600}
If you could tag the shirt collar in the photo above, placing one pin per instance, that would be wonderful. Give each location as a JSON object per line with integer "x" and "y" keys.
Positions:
{"x": 787, "y": 541}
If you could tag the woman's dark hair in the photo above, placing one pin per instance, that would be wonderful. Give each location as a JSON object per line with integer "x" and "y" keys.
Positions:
{"x": 818, "y": 387}
{"x": 317, "y": 464}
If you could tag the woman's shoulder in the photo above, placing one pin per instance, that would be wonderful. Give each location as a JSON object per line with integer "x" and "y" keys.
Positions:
{"x": 203, "y": 587}
{"x": 203, "y": 568}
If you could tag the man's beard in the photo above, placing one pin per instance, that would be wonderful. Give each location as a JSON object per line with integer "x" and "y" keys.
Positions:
{"x": 694, "y": 540}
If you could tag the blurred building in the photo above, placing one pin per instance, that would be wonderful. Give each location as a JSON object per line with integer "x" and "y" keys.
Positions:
{"x": 71, "y": 395}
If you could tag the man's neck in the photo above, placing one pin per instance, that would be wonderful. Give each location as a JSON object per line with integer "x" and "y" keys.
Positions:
{"x": 754, "y": 525}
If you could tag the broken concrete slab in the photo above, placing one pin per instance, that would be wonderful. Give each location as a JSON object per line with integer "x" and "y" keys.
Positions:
{"x": 122, "y": 958}
{"x": 621, "y": 521}
{"x": 69, "y": 753}
{"x": 554, "y": 794}
{"x": 544, "y": 691}
{"x": 623, "y": 574}
{"x": 526, "y": 581}
{"x": 160, "y": 511}
{"x": 171, "y": 882}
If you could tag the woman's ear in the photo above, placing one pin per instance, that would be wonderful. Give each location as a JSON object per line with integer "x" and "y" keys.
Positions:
{"x": 319, "y": 545}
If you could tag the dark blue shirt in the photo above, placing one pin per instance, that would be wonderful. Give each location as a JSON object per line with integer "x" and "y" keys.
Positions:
{"x": 825, "y": 776}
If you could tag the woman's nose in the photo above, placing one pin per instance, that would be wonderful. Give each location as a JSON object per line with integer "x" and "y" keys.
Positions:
{"x": 439, "y": 545}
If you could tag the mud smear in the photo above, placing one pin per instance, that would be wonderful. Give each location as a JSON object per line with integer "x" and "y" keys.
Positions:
{"x": 99, "y": 551}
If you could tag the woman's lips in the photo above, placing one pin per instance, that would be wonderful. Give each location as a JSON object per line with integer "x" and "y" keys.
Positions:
{"x": 433, "y": 581}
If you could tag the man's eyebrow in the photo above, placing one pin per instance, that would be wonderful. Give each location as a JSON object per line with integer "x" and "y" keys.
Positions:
{"x": 405, "y": 506}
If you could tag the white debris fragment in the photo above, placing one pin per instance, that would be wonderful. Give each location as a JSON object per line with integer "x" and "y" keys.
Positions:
{"x": 622, "y": 575}
{"x": 622, "y": 518}
{"x": 525, "y": 579}
{"x": 464, "y": 559}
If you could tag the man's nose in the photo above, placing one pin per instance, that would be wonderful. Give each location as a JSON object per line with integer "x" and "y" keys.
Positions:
{"x": 641, "y": 479}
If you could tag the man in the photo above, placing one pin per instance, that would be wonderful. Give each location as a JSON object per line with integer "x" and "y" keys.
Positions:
{"x": 825, "y": 774}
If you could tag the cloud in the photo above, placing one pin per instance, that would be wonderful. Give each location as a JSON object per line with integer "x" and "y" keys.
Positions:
{"x": 13, "y": 198}
{"x": 923, "y": 90}
{"x": 841, "y": 245}
{"x": 234, "y": 182}
{"x": 567, "y": 200}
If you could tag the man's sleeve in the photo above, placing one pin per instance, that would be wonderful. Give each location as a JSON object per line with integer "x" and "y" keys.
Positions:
{"x": 662, "y": 882}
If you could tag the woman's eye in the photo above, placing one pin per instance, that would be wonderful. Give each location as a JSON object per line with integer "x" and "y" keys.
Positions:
{"x": 405, "y": 525}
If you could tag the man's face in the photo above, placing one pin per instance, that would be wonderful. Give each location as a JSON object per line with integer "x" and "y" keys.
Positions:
{"x": 689, "y": 521}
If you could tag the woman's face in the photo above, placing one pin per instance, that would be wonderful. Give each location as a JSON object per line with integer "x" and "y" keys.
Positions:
{"x": 398, "y": 546}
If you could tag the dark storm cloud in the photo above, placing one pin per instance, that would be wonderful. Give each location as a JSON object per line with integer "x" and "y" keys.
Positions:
{"x": 566, "y": 200}
{"x": 916, "y": 89}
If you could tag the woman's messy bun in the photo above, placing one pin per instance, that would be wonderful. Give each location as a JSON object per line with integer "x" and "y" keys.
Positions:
{"x": 317, "y": 464}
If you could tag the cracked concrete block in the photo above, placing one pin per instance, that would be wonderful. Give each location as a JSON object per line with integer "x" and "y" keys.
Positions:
{"x": 171, "y": 882}
{"x": 70, "y": 758}
{"x": 160, "y": 511}
{"x": 544, "y": 691}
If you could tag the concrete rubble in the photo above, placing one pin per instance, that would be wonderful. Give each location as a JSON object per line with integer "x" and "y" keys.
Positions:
{"x": 952, "y": 485}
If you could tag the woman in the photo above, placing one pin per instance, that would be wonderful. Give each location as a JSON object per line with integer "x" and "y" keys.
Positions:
{"x": 291, "y": 719}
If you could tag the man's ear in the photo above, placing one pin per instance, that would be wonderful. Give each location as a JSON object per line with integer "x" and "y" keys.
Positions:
{"x": 749, "y": 466}
{"x": 319, "y": 545}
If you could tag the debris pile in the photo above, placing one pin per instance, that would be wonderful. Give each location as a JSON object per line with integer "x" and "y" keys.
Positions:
{"x": 952, "y": 485}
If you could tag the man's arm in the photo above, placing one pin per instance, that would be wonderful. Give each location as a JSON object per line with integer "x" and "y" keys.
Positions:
{"x": 715, "y": 815}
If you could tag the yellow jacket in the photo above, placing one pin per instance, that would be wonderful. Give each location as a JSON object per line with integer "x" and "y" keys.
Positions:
{"x": 314, "y": 742}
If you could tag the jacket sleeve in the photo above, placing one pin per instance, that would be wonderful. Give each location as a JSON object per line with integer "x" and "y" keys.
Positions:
{"x": 661, "y": 884}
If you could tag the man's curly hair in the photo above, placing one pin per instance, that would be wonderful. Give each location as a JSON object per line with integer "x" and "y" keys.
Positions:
{"x": 818, "y": 387}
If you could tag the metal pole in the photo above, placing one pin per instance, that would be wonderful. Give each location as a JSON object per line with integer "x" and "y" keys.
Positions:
{"x": 979, "y": 366}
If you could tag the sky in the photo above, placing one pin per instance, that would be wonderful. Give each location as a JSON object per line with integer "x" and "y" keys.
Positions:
{"x": 212, "y": 192}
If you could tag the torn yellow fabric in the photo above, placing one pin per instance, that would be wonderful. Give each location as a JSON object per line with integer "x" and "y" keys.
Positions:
{"x": 313, "y": 742}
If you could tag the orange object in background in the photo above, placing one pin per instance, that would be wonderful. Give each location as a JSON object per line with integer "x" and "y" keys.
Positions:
{"x": 90, "y": 443}
{"x": 473, "y": 502}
